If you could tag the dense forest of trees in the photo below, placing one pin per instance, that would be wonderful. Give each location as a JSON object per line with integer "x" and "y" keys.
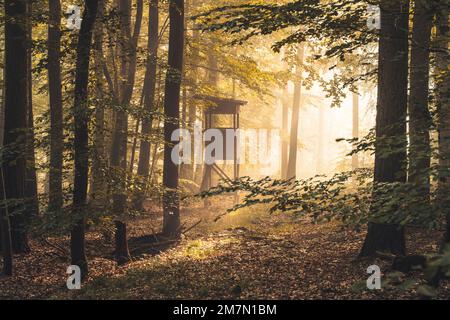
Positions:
{"x": 90, "y": 115}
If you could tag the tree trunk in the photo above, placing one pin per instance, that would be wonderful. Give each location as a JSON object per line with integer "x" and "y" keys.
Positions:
{"x": 5, "y": 227}
{"x": 56, "y": 112}
{"x": 171, "y": 223}
{"x": 292, "y": 164}
{"x": 355, "y": 128}
{"x": 16, "y": 117}
{"x": 5, "y": 231}
{"x": 149, "y": 98}
{"x": 320, "y": 143}
{"x": 391, "y": 119}
{"x": 128, "y": 49}
{"x": 442, "y": 87}
{"x": 192, "y": 112}
{"x": 98, "y": 187}
{"x": 419, "y": 113}
{"x": 77, "y": 240}
{"x": 285, "y": 135}
{"x": 31, "y": 191}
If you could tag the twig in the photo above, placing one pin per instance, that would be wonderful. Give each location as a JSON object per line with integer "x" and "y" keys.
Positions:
{"x": 55, "y": 246}
{"x": 192, "y": 227}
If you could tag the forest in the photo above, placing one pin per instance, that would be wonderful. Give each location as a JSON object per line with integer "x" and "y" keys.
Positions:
{"x": 224, "y": 150}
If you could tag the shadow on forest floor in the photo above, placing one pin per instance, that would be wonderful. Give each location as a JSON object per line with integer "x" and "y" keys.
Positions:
{"x": 150, "y": 245}
{"x": 246, "y": 255}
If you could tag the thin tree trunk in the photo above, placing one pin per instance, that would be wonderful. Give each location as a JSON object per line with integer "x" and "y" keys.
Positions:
{"x": 292, "y": 164}
{"x": 419, "y": 113}
{"x": 320, "y": 143}
{"x": 77, "y": 240}
{"x": 31, "y": 191}
{"x": 128, "y": 50}
{"x": 390, "y": 120}
{"x": 56, "y": 112}
{"x": 285, "y": 135}
{"x": 355, "y": 128}
{"x": 149, "y": 98}
{"x": 171, "y": 222}
{"x": 192, "y": 112}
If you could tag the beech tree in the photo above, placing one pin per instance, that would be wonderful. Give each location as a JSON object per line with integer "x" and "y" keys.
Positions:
{"x": 419, "y": 114}
{"x": 128, "y": 47}
{"x": 81, "y": 115}
{"x": 5, "y": 228}
{"x": 149, "y": 96}
{"x": 171, "y": 205}
{"x": 442, "y": 85}
{"x": 17, "y": 95}
{"x": 56, "y": 110}
{"x": 391, "y": 120}
{"x": 293, "y": 147}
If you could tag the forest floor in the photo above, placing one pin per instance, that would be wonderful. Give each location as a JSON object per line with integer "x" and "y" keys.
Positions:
{"x": 245, "y": 255}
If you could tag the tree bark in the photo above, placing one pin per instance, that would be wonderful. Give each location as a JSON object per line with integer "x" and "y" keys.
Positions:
{"x": 442, "y": 88}
{"x": 56, "y": 111}
{"x": 77, "y": 240}
{"x": 321, "y": 141}
{"x": 31, "y": 191}
{"x": 355, "y": 128}
{"x": 16, "y": 118}
{"x": 128, "y": 49}
{"x": 419, "y": 113}
{"x": 390, "y": 120}
{"x": 5, "y": 231}
{"x": 285, "y": 134}
{"x": 149, "y": 98}
{"x": 5, "y": 227}
{"x": 292, "y": 164}
{"x": 98, "y": 199}
{"x": 192, "y": 112}
{"x": 171, "y": 222}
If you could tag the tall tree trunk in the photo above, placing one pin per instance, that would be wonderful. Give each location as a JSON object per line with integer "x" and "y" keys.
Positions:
{"x": 192, "y": 112}
{"x": 213, "y": 82}
{"x": 320, "y": 143}
{"x": 292, "y": 164}
{"x": 355, "y": 128}
{"x": 31, "y": 191}
{"x": 390, "y": 120}
{"x": 98, "y": 187}
{"x": 56, "y": 112}
{"x": 16, "y": 117}
{"x": 118, "y": 156}
{"x": 171, "y": 222}
{"x": 77, "y": 239}
{"x": 149, "y": 98}
{"x": 128, "y": 50}
{"x": 285, "y": 134}
{"x": 213, "y": 74}
{"x": 419, "y": 113}
{"x": 5, "y": 227}
{"x": 442, "y": 88}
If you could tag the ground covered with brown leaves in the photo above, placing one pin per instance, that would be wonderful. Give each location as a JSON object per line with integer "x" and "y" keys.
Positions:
{"x": 246, "y": 255}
